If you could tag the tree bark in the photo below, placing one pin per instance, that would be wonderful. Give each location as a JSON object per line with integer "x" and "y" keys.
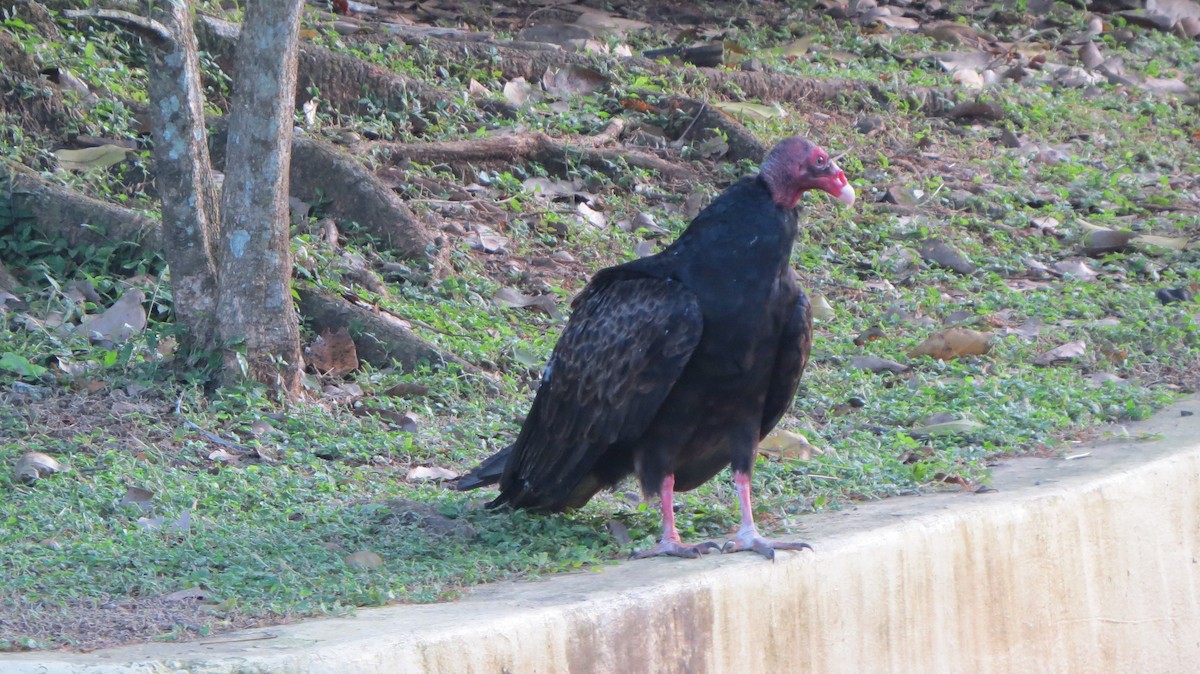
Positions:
{"x": 255, "y": 306}
{"x": 183, "y": 173}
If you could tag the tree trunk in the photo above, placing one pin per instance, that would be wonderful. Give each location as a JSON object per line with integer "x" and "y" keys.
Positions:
{"x": 255, "y": 308}
{"x": 183, "y": 174}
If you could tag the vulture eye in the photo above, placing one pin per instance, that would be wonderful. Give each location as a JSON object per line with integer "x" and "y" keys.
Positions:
{"x": 821, "y": 161}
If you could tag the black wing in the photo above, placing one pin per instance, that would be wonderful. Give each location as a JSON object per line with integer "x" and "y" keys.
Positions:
{"x": 625, "y": 346}
{"x": 794, "y": 346}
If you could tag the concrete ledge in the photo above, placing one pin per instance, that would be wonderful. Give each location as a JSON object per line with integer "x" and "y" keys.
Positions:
{"x": 1090, "y": 565}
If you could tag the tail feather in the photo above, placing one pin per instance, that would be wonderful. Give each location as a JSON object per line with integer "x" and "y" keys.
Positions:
{"x": 486, "y": 473}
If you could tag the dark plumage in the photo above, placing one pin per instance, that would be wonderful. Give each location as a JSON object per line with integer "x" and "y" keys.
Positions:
{"x": 674, "y": 366}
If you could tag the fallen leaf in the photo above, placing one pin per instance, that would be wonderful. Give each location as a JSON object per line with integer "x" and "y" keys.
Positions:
{"x": 619, "y": 531}
{"x": 430, "y": 474}
{"x": 896, "y": 22}
{"x": 333, "y": 353}
{"x": 953, "y": 343}
{"x": 572, "y": 80}
{"x": 190, "y": 594}
{"x": 600, "y": 22}
{"x": 787, "y": 445}
{"x": 1062, "y": 353}
{"x": 822, "y": 310}
{"x": 751, "y": 111}
{"x": 945, "y": 255}
{"x": 511, "y": 298}
{"x": 1074, "y": 268}
{"x": 1104, "y": 378}
{"x": 1089, "y": 55}
{"x": 476, "y": 89}
{"x": 1047, "y": 225}
{"x": 869, "y": 335}
{"x": 876, "y": 364}
{"x": 1170, "y": 243}
{"x": 940, "y": 425}
{"x": 590, "y": 215}
{"x": 364, "y": 559}
{"x": 91, "y": 157}
{"x": 136, "y": 496}
{"x": 33, "y": 466}
{"x": 489, "y": 241}
{"x": 119, "y": 322}
{"x": 562, "y": 34}
{"x": 517, "y": 91}
{"x": 798, "y": 47}
{"x": 1101, "y": 241}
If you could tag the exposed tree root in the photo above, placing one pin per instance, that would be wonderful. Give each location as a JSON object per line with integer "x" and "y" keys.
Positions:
{"x": 379, "y": 338}
{"x": 62, "y": 212}
{"x": 345, "y": 81}
{"x": 706, "y": 121}
{"x": 530, "y": 61}
{"x": 533, "y": 147}
{"x": 43, "y": 109}
{"x": 349, "y": 192}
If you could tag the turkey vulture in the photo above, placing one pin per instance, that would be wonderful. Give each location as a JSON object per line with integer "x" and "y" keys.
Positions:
{"x": 676, "y": 365}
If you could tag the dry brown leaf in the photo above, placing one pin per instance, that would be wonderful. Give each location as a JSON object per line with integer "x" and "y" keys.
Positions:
{"x": 489, "y": 241}
{"x": 33, "y": 466}
{"x": 1089, "y": 55}
{"x": 517, "y": 91}
{"x": 1101, "y": 241}
{"x": 189, "y": 594}
{"x": 945, "y": 255}
{"x": 869, "y": 335}
{"x": 572, "y": 80}
{"x": 952, "y": 32}
{"x": 1074, "y": 268}
{"x": 1104, "y": 378}
{"x": 119, "y": 322}
{"x": 876, "y": 364}
{"x": 511, "y": 298}
{"x": 1062, "y": 353}
{"x": 136, "y": 496}
{"x": 954, "y": 343}
{"x": 333, "y": 353}
{"x": 947, "y": 424}
{"x": 364, "y": 559}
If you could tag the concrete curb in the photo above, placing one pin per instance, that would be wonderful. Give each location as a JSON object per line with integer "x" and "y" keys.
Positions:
{"x": 1090, "y": 565}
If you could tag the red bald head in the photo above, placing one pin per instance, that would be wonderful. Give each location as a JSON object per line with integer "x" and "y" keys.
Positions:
{"x": 796, "y": 166}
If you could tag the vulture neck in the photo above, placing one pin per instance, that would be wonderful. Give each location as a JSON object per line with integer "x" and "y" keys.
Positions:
{"x": 742, "y": 241}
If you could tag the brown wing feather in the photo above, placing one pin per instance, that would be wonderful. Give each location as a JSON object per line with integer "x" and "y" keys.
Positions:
{"x": 625, "y": 346}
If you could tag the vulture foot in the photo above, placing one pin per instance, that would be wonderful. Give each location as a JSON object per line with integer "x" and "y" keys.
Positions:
{"x": 763, "y": 546}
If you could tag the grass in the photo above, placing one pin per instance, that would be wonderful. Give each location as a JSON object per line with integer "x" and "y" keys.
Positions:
{"x": 272, "y": 534}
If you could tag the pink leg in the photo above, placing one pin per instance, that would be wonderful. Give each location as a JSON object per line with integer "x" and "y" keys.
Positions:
{"x": 670, "y": 543}
{"x": 747, "y": 537}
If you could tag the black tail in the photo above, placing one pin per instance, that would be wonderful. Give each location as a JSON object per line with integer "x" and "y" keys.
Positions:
{"x": 486, "y": 473}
